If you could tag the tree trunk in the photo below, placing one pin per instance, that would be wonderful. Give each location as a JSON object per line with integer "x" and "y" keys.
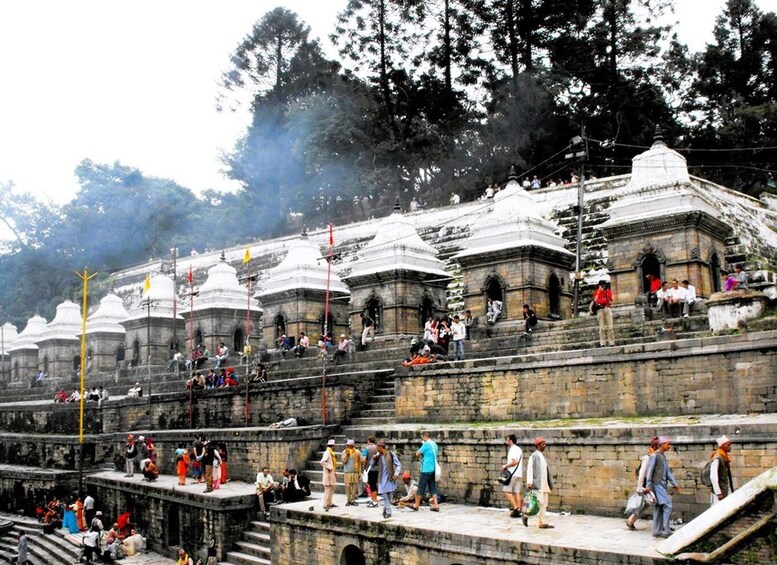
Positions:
{"x": 278, "y": 62}
{"x": 513, "y": 39}
{"x": 526, "y": 24}
{"x": 447, "y": 48}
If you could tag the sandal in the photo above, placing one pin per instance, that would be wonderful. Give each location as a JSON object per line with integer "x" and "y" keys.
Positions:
{"x": 435, "y": 509}
{"x": 546, "y": 527}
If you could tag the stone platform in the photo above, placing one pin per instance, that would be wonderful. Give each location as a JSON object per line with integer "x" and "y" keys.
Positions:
{"x": 459, "y": 534}
{"x": 174, "y": 515}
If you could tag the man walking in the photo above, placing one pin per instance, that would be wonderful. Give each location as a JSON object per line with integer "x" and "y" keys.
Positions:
{"x": 130, "y": 452}
{"x": 641, "y": 478}
{"x": 329, "y": 476}
{"x": 720, "y": 471}
{"x": 351, "y": 471}
{"x": 538, "y": 478}
{"x": 368, "y": 456}
{"x": 428, "y": 454}
{"x": 603, "y": 302}
{"x": 658, "y": 476}
{"x": 459, "y": 331}
{"x": 207, "y": 461}
{"x": 389, "y": 468}
{"x": 512, "y": 489}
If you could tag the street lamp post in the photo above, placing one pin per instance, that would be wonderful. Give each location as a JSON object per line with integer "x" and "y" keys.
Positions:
{"x": 174, "y": 254}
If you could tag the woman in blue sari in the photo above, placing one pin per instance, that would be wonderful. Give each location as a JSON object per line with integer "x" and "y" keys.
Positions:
{"x": 69, "y": 520}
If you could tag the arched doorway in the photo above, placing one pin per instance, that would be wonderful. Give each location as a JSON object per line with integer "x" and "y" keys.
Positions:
{"x": 46, "y": 365}
{"x": 427, "y": 310}
{"x": 554, "y": 296}
{"x": 352, "y": 555}
{"x": 374, "y": 309}
{"x": 280, "y": 325}
{"x": 173, "y": 526}
{"x": 238, "y": 340}
{"x": 494, "y": 289}
{"x": 119, "y": 354}
{"x": 715, "y": 272}
{"x": 135, "y": 353}
{"x": 16, "y": 371}
{"x": 197, "y": 337}
{"x": 330, "y": 325}
{"x": 650, "y": 265}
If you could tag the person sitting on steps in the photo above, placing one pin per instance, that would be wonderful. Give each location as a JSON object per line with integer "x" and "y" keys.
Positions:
{"x": 494, "y": 311}
{"x": 529, "y": 320}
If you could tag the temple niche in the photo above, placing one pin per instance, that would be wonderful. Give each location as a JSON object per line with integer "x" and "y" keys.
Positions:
{"x": 515, "y": 256}
{"x": 24, "y": 351}
{"x": 8, "y": 335}
{"x": 152, "y": 331}
{"x": 222, "y": 311}
{"x": 397, "y": 278}
{"x": 294, "y": 295}
{"x": 665, "y": 226}
{"x": 105, "y": 335}
{"x": 59, "y": 344}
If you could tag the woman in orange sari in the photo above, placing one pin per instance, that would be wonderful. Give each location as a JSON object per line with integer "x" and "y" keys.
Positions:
{"x": 80, "y": 518}
{"x": 182, "y": 461}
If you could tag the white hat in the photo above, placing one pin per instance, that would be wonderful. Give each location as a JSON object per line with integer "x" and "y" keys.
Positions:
{"x": 350, "y": 442}
{"x": 723, "y": 440}
{"x": 330, "y": 442}
{"x": 141, "y": 438}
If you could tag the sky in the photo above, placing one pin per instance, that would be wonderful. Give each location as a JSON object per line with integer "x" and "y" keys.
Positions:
{"x": 137, "y": 82}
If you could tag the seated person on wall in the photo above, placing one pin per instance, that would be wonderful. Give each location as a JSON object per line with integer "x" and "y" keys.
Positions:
{"x": 529, "y": 320}
{"x": 221, "y": 379}
{"x": 199, "y": 356}
{"x": 324, "y": 343}
{"x": 210, "y": 380}
{"x": 75, "y": 397}
{"x": 258, "y": 373}
{"x": 133, "y": 544}
{"x": 197, "y": 382}
{"x": 662, "y": 299}
{"x": 424, "y": 355}
{"x": 231, "y": 378}
{"x": 298, "y": 487}
{"x": 266, "y": 490}
{"x": 342, "y": 350}
{"x": 494, "y": 311}
{"x": 676, "y": 295}
{"x": 411, "y": 489}
{"x": 61, "y": 396}
{"x": 135, "y": 392}
{"x": 655, "y": 285}
{"x": 150, "y": 471}
{"x": 222, "y": 353}
{"x": 740, "y": 276}
{"x": 303, "y": 342}
{"x": 283, "y": 345}
{"x": 689, "y": 298}
{"x": 438, "y": 352}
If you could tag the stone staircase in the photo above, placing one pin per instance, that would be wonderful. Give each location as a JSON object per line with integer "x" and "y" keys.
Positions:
{"x": 255, "y": 547}
{"x": 43, "y": 549}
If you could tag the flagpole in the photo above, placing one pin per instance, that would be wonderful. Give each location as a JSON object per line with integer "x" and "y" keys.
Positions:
{"x": 85, "y": 278}
{"x": 326, "y": 324}
{"x": 247, "y": 345}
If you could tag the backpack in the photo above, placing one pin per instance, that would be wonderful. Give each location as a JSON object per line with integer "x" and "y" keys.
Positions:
{"x": 706, "y": 478}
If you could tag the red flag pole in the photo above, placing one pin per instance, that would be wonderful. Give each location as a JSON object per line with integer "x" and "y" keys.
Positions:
{"x": 326, "y": 322}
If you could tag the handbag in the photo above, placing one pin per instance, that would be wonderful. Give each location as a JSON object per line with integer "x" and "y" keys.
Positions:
{"x": 507, "y": 476}
{"x": 531, "y": 505}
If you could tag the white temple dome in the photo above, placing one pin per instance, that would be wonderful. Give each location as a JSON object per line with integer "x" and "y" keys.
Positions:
{"x": 397, "y": 247}
{"x": 108, "y": 317}
{"x": 658, "y": 166}
{"x": 303, "y": 268}
{"x": 9, "y": 336}
{"x": 514, "y": 221}
{"x": 222, "y": 290}
{"x": 162, "y": 295}
{"x": 30, "y": 334}
{"x": 66, "y": 323}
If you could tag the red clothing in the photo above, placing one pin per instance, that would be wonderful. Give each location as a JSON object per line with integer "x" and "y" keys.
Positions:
{"x": 603, "y": 297}
{"x": 655, "y": 285}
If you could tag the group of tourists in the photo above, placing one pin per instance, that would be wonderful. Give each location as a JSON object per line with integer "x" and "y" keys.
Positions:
{"x": 671, "y": 300}
{"x": 94, "y": 394}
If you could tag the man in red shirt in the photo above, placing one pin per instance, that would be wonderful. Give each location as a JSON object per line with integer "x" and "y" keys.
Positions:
{"x": 603, "y": 302}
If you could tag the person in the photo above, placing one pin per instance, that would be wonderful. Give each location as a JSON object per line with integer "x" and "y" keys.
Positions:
{"x": 368, "y": 453}
{"x": 266, "y": 489}
{"x": 368, "y": 328}
{"x": 298, "y": 487}
{"x": 428, "y": 325}
{"x": 494, "y": 311}
{"x": 91, "y": 540}
{"x": 222, "y": 354}
{"x": 69, "y": 519}
{"x": 75, "y": 397}
{"x": 329, "y": 476}
{"x": 411, "y": 489}
{"x": 351, "y": 471}
{"x": 455, "y": 199}
{"x": 526, "y": 184}
{"x": 130, "y": 452}
{"x": 536, "y": 184}
{"x": 133, "y": 543}
{"x": 211, "y": 553}
{"x": 740, "y": 276}
{"x": 529, "y": 319}
{"x": 654, "y": 285}
{"x": 149, "y": 448}
{"x": 729, "y": 281}
{"x": 111, "y": 549}
{"x": 150, "y": 471}
{"x": 103, "y": 396}
{"x": 676, "y": 296}
{"x": 175, "y": 362}
{"x": 458, "y": 334}
{"x": 720, "y": 471}
{"x": 224, "y": 454}
{"x": 489, "y": 193}
{"x": 198, "y": 452}
{"x": 603, "y": 302}
{"x": 428, "y": 453}
{"x": 216, "y": 468}
{"x": 659, "y": 476}
{"x": 97, "y": 522}
{"x": 342, "y": 350}
{"x": 135, "y": 392}
{"x": 21, "y": 549}
{"x": 61, "y": 396}
{"x": 183, "y": 558}
{"x": 303, "y": 342}
{"x": 538, "y": 478}
{"x": 468, "y": 321}
{"x": 662, "y": 299}
{"x": 207, "y": 461}
{"x": 198, "y": 357}
{"x": 282, "y": 345}
{"x": 444, "y": 336}
{"x": 641, "y": 479}
{"x": 181, "y": 463}
{"x": 389, "y": 468}
{"x": 689, "y": 298}
{"x": 512, "y": 490}
{"x": 230, "y": 378}
{"x": 259, "y": 374}
{"x": 89, "y": 508}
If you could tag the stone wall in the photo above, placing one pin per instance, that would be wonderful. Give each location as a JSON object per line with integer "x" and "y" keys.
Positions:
{"x": 22, "y": 488}
{"x": 53, "y": 452}
{"x": 593, "y": 468}
{"x": 248, "y": 449}
{"x": 303, "y": 311}
{"x": 725, "y": 375}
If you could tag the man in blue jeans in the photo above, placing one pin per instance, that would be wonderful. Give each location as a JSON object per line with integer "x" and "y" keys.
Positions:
{"x": 428, "y": 454}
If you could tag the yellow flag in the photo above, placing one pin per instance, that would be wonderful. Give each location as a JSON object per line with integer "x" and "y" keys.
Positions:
{"x": 147, "y": 284}
{"x": 247, "y": 256}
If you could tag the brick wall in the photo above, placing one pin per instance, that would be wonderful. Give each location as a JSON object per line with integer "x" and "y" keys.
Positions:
{"x": 53, "y": 452}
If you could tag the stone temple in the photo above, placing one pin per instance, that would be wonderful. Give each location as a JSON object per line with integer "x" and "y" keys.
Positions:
{"x": 693, "y": 379}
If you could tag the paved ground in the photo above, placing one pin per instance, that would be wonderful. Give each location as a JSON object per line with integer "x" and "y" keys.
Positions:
{"x": 170, "y": 482}
{"x": 591, "y": 533}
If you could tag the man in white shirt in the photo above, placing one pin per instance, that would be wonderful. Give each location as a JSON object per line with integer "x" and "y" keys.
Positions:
{"x": 676, "y": 294}
{"x": 689, "y": 298}
{"x": 512, "y": 490}
{"x": 266, "y": 488}
{"x": 494, "y": 311}
{"x": 459, "y": 331}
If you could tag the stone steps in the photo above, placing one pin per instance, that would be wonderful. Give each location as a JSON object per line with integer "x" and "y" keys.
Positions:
{"x": 255, "y": 548}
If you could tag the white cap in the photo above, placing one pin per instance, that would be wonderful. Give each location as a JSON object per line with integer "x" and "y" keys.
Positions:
{"x": 330, "y": 442}
{"x": 723, "y": 440}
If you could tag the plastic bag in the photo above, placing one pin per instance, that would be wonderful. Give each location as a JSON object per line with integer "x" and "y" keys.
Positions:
{"x": 437, "y": 472}
{"x": 635, "y": 504}
{"x": 531, "y": 505}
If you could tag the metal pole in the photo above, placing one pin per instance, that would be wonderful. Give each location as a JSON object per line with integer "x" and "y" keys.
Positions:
{"x": 326, "y": 324}
{"x": 148, "y": 350}
{"x": 578, "y": 244}
{"x": 85, "y": 278}
{"x": 174, "y": 253}
{"x": 2, "y": 346}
